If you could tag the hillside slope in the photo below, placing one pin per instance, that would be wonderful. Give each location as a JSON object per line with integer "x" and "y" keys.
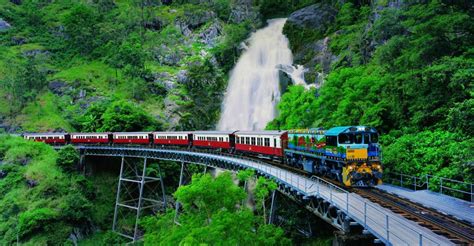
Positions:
{"x": 64, "y": 63}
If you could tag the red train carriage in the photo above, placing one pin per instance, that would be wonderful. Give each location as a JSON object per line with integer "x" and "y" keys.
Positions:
{"x": 214, "y": 139}
{"x": 131, "y": 137}
{"x": 262, "y": 142}
{"x": 172, "y": 138}
{"x": 90, "y": 138}
{"x": 49, "y": 138}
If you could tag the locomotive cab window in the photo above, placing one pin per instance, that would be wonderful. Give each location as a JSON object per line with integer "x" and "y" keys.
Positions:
{"x": 345, "y": 139}
{"x": 374, "y": 138}
{"x": 358, "y": 138}
{"x": 366, "y": 138}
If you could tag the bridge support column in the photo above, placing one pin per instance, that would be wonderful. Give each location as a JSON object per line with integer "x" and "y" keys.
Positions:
{"x": 181, "y": 180}
{"x": 272, "y": 208}
{"x": 140, "y": 190}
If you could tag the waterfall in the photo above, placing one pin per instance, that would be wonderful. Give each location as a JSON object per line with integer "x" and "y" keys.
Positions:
{"x": 253, "y": 89}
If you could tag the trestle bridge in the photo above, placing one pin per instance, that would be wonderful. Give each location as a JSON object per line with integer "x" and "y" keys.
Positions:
{"x": 347, "y": 211}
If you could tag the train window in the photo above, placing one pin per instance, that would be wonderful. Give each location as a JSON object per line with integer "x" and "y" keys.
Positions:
{"x": 331, "y": 140}
{"x": 274, "y": 142}
{"x": 374, "y": 138}
{"x": 267, "y": 142}
{"x": 259, "y": 141}
{"x": 358, "y": 138}
{"x": 346, "y": 138}
{"x": 253, "y": 141}
{"x": 366, "y": 138}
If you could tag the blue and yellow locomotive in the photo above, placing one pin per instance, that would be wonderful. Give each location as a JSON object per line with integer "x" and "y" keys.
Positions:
{"x": 348, "y": 154}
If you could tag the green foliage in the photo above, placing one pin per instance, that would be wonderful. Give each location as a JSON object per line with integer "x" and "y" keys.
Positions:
{"x": 296, "y": 109}
{"x": 404, "y": 68}
{"x": 68, "y": 158}
{"x": 205, "y": 86}
{"x": 79, "y": 24}
{"x": 103, "y": 50}
{"x": 227, "y": 52}
{"x": 245, "y": 175}
{"x": 117, "y": 116}
{"x": 262, "y": 191}
{"x": 211, "y": 216}
{"x": 436, "y": 152}
{"x": 206, "y": 196}
{"x": 52, "y": 204}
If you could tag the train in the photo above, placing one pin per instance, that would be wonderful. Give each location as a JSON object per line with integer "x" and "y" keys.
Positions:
{"x": 348, "y": 154}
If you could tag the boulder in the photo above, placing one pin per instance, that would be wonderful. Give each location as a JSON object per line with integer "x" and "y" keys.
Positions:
{"x": 31, "y": 183}
{"x": 210, "y": 35}
{"x": 58, "y": 87}
{"x": 167, "y": 56}
{"x": 18, "y": 40}
{"x": 35, "y": 52}
{"x": 198, "y": 17}
{"x": 182, "y": 76}
{"x": 153, "y": 24}
{"x": 4, "y": 25}
{"x": 3, "y": 173}
{"x": 317, "y": 16}
{"x": 165, "y": 80}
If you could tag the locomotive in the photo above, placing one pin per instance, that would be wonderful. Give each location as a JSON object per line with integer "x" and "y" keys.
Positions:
{"x": 349, "y": 155}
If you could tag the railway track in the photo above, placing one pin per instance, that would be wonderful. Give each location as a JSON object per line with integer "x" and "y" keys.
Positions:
{"x": 459, "y": 232}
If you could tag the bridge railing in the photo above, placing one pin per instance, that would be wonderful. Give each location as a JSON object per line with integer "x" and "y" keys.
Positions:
{"x": 378, "y": 221}
{"x": 371, "y": 216}
{"x": 450, "y": 187}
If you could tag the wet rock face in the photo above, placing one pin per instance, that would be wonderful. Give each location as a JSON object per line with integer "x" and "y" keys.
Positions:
{"x": 243, "y": 10}
{"x": 317, "y": 16}
{"x": 195, "y": 19}
{"x": 4, "y": 25}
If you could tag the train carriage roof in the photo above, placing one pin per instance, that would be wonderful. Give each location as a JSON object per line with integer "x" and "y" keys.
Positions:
{"x": 335, "y": 131}
{"x": 45, "y": 134}
{"x": 171, "y": 133}
{"x": 129, "y": 133}
{"x": 270, "y": 133}
{"x": 214, "y": 132}
{"x": 90, "y": 133}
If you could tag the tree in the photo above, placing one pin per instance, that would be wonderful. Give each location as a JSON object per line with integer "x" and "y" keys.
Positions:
{"x": 123, "y": 116}
{"x": 80, "y": 24}
{"x": 262, "y": 191}
{"x": 211, "y": 215}
{"x": 68, "y": 158}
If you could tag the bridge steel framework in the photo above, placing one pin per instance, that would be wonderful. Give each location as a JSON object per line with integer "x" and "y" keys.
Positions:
{"x": 344, "y": 210}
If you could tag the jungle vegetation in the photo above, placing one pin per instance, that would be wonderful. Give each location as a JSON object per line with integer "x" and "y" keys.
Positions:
{"x": 407, "y": 71}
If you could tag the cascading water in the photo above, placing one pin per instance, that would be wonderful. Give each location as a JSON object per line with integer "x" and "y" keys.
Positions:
{"x": 253, "y": 89}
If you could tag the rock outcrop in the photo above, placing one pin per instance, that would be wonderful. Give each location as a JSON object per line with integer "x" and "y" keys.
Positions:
{"x": 4, "y": 25}
{"x": 317, "y": 16}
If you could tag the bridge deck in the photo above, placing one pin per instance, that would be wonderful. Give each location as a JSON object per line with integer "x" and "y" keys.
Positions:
{"x": 401, "y": 231}
{"x": 389, "y": 227}
{"x": 447, "y": 204}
